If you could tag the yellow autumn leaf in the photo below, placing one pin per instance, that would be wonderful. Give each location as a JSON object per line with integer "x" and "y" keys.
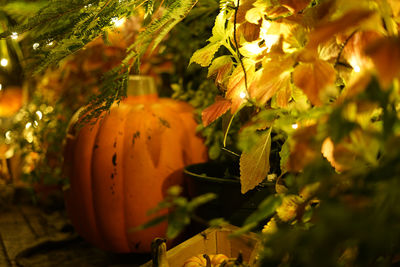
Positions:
{"x": 221, "y": 67}
{"x": 245, "y": 5}
{"x": 204, "y": 55}
{"x": 287, "y": 211}
{"x": 216, "y": 110}
{"x": 254, "y": 164}
{"x": 237, "y": 87}
{"x": 303, "y": 150}
{"x": 326, "y": 31}
{"x": 295, "y": 6}
{"x": 255, "y": 14}
{"x": 385, "y": 54}
{"x": 273, "y": 77}
{"x": 271, "y": 227}
{"x": 313, "y": 78}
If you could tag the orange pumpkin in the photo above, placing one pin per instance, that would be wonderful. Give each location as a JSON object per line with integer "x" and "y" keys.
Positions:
{"x": 11, "y": 101}
{"x": 201, "y": 261}
{"x": 121, "y": 167}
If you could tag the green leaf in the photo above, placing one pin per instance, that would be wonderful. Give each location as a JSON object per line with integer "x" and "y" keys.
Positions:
{"x": 218, "y": 63}
{"x": 264, "y": 210}
{"x": 218, "y": 30}
{"x": 338, "y": 126}
{"x": 200, "y": 200}
{"x": 149, "y": 224}
{"x": 204, "y": 55}
{"x": 254, "y": 164}
{"x": 284, "y": 155}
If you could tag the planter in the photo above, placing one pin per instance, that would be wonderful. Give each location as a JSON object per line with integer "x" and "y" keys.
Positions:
{"x": 215, "y": 241}
{"x": 231, "y": 204}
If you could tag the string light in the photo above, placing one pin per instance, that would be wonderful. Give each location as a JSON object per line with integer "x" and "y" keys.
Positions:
{"x": 295, "y": 126}
{"x": 8, "y": 135}
{"x": 14, "y": 36}
{"x": 39, "y": 114}
{"x": 242, "y": 95}
{"x": 357, "y": 68}
{"x": 35, "y": 46}
{"x": 4, "y": 62}
{"x": 118, "y": 22}
{"x": 1, "y": 86}
{"x": 50, "y": 43}
{"x": 28, "y": 125}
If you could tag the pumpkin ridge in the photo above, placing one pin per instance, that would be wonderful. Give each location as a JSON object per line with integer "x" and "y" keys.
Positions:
{"x": 95, "y": 128}
{"x": 77, "y": 177}
{"x": 106, "y": 194}
{"x": 122, "y": 147}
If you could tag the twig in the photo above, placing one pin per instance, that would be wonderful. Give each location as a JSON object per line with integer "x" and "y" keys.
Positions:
{"x": 237, "y": 46}
{"x": 342, "y": 47}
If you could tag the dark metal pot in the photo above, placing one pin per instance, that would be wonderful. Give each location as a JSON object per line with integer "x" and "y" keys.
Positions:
{"x": 231, "y": 204}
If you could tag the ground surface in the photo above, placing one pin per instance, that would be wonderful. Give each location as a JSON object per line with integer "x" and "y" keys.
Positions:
{"x": 33, "y": 235}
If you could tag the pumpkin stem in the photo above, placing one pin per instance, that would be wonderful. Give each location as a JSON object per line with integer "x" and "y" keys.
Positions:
{"x": 140, "y": 85}
{"x": 159, "y": 252}
{"x": 239, "y": 259}
{"x": 207, "y": 259}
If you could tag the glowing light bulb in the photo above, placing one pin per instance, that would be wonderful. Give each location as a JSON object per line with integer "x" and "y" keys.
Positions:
{"x": 39, "y": 114}
{"x": 8, "y": 135}
{"x": 118, "y": 22}
{"x": 357, "y": 68}
{"x": 35, "y": 46}
{"x": 253, "y": 48}
{"x": 35, "y": 123}
{"x": 50, "y": 43}
{"x": 4, "y": 62}
{"x": 28, "y": 125}
{"x": 1, "y": 86}
{"x": 242, "y": 95}
{"x": 14, "y": 36}
{"x": 295, "y": 126}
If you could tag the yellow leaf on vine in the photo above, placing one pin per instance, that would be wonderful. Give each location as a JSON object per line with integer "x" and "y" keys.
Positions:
{"x": 237, "y": 88}
{"x": 204, "y": 55}
{"x": 313, "y": 78}
{"x": 385, "y": 54}
{"x": 221, "y": 67}
{"x": 216, "y": 110}
{"x": 272, "y": 78}
{"x": 295, "y": 6}
{"x": 254, "y": 164}
{"x": 245, "y": 6}
{"x": 303, "y": 150}
{"x": 326, "y": 31}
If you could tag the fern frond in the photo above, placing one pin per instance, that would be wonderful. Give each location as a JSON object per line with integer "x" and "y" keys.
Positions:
{"x": 157, "y": 30}
{"x": 69, "y": 25}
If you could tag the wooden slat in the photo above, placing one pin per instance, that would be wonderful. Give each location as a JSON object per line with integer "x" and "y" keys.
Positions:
{"x": 4, "y": 259}
{"x": 15, "y": 233}
{"x": 35, "y": 220}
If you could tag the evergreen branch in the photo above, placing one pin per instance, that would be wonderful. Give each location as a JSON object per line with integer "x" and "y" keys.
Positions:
{"x": 115, "y": 81}
{"x": 158, "y": 29}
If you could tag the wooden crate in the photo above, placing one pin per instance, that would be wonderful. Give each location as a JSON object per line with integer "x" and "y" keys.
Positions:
{"x": 214, "y": 241}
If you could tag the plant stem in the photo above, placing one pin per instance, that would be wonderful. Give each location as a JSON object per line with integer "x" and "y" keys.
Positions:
{"x": 237, "y": 46}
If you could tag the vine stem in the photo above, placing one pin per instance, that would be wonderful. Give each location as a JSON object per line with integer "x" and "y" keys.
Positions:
{"x": 342, "y": 48}
{"x": 237, "y": 46}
